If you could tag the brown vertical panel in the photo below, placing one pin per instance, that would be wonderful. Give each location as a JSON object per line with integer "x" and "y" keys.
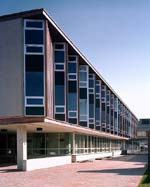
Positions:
{"x": 49, "y": 71}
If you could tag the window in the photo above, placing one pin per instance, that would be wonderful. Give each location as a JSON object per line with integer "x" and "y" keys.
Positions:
{"x": 59, "y": 95}
{"x": 72, "y": 114}
{"x": 83, "y": 93}
{"x": 72, "y": 86}
{"x": 34, "y": 37}
{"x": 59, "y": 78}
{"x": 34, "y": 101}
{"x": 83, "y": 76}
{"x": 72, "y": 68}
{"x": 83, "y": 107}
{"x": 34, "y": 67}
{"x": 59, "y": 56}
{"x": 34, "y": 24}
{"x": 34, "y": 49}
{"x": 34, "y": 111}
{"x": 72, "y": 101}
{"x": 59, "y": 109}
{"x": 60, "y": 86}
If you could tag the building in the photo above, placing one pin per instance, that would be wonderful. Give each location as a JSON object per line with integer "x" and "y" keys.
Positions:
{"x": 55, "y": 107}
{"x": 142, "y": 128}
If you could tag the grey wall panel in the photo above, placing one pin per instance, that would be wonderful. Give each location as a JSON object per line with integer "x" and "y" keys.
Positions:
{"x": 11, "y": 68}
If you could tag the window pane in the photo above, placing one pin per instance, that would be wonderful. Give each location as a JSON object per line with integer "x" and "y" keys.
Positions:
{"x": 34, "y": 63}
{"x": 91, "y": 111}
{"x": 97, "y": 103}
{"x": 60, "y": 109}
{"x": 72, "y": 68}
{"x": 34, "y": 49}
{"x": 34, "y": 110}
{"x": 84, "y": 124}
{"x": 83, "y": 76}
{"x": 97, "y": 89}
{"x": 59, "y": 66}
{"x": 34, "y": 101}
{"x": 59, "y": 78}
{"x": 72, "y": 77}
{"x": 59, "y": 95}
{"x": 83, "y": 106}
{"x": 72, "y": 114}
{"x": 34, "y": 24}
{"x": 72, "y": 101}
{"x": 91, "y": 98}
{"x": 59, "y": 56}
{"x": 73, "y": 120}
{"x": 83, "y": 93}
{"x": 72, "y": 86}
{"x": 34, "y": 37}
{"x": 97, "y": 113}
{"x": 91, "y": 84}
{"x": 72, "y": 58}
{"x": 60, "y": 117}
{"x": 34, "y": 84}
{"x": 103, "y": 93}
{"x": 59, "y": 46}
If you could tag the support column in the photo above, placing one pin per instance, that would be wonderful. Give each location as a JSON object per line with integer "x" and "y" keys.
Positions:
{"x": 22, "y": 148}
{"x": 73, "y": 148}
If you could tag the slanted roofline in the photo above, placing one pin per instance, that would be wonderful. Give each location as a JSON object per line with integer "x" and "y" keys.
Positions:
{"x": 43, "y": 12}
{"x": 27, "y": 13}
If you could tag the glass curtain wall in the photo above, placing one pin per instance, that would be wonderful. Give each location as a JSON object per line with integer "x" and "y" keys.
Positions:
{"x": 73, "y": 89}
{"x": 98, "y": 105}
{"x": 112, "y": 114}
{"x": 60, "y": 81}
{"x": 103, "y": 96}
{"x": 83, "y": 98}
{"x": 108, "y": 110}
{"x": 34, "y": 67}
{"x": 92, "y": 101}
{"x": 116, "y": 115}
{"x": 48, "y": 144}
{"x": 93, "y": 144}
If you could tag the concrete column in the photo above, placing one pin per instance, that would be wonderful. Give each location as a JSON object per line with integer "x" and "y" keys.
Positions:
{"x": 110, "y": 146}
{"x": 22, "y": 148}
{"x": 73, "y": 144}
{"x": 73, "y": 148}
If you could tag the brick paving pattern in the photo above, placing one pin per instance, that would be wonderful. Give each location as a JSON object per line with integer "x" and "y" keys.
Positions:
{"x": 125, "y": 171}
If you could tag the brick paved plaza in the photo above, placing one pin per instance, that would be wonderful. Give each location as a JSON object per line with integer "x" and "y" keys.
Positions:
{"x": 125, "y": 171}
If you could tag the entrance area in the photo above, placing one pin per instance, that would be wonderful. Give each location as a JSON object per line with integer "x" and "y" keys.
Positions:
{"x": 8, "y": 147}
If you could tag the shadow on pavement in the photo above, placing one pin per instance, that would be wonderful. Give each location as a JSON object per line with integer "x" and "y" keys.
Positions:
{"x": 124, "y": 171}
{"x": 8, "y": 167}
{"x": 131, "y": 158}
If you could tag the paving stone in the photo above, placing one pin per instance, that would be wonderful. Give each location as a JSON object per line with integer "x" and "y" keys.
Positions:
{"x": 125, "y": 171}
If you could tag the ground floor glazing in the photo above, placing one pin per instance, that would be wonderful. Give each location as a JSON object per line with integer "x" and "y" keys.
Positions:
{"x": 57, "y": 144}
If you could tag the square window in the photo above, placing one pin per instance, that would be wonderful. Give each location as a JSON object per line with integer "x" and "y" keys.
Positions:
{"x": 34, "y": 37}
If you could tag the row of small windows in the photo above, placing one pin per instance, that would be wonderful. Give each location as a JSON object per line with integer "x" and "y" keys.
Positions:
{"x": 87, "y": 95}
{"x": 34, "y": 67}
{"x": 96, "y": 103}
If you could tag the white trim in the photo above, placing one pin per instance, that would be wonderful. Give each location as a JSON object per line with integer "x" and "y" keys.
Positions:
{"x": 26, "y": 53}
{"x": 33, "y": 28}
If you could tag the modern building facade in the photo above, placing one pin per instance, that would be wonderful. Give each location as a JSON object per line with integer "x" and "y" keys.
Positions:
{"x": 142, "y": 138}
{"x": 55, "y": 107}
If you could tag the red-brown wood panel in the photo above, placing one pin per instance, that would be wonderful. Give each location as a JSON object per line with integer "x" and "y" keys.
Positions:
{"x": 49, "y": 81}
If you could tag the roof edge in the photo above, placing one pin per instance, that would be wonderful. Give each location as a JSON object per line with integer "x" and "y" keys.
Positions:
{"x": 21, "y": 14}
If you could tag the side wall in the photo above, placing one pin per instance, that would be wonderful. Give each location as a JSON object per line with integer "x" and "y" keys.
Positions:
{"x": 11, "y": 68}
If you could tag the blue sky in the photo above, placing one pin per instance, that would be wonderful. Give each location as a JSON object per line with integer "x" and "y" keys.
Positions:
{"x": 114, "y": 35}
